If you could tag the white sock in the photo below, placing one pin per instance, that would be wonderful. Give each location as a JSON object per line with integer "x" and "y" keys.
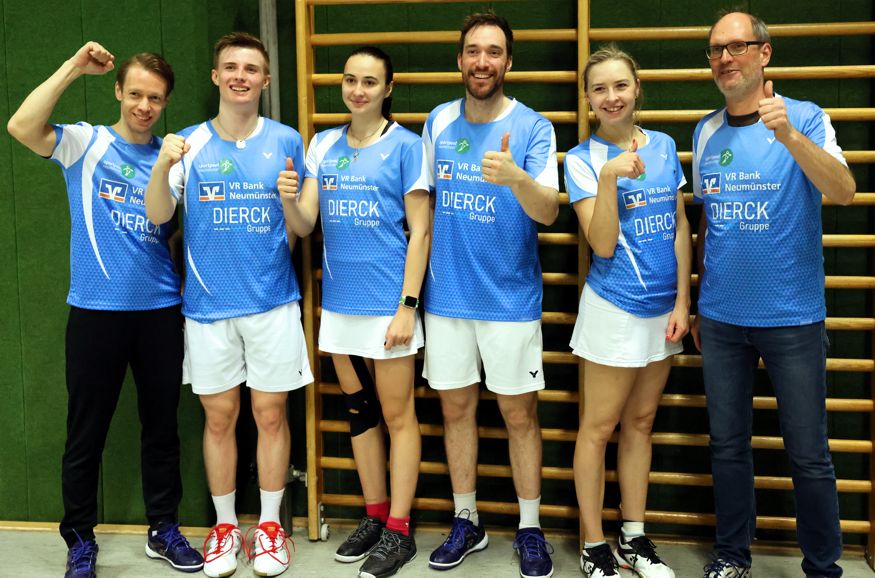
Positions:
{"x": 530, "y": 511}
{"x": 270, "y": 506}
{"x": 467, "y": 502}
{"x": 632, "y": 529}
{"x": 226, "y": 511}
{"x": 588, "y": 545}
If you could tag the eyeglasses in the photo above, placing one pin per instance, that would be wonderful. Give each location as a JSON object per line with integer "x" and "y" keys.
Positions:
{"x": 736, "y": 48}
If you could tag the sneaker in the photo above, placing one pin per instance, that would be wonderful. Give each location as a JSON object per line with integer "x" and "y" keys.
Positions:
{"x": 722, "y": 568}
{"x": 639, "y": 555}
{"x": 82, "y": 559}
{"x": 220, "y": 550}
{"x": 269, "y": 552}
{"x": 534, "y": 552}
{"x": 465, "y": 538}
{"x": 167, "y": 543}
{"x": 598, "y": 562}
{"x": 393, "y": 551}
{"x": 359, "y": 544}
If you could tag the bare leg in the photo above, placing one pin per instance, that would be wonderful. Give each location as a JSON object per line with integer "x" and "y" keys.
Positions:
{"x": 220, "y": 440}
{"x": 459, "y": 407}
{"x": 520, "y": 413}
{"x": 274, "y": 439}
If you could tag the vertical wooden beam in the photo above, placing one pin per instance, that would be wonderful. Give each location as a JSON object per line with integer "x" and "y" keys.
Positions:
{"x": 870, "y": 543}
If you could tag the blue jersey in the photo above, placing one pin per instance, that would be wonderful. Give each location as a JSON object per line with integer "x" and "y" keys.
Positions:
{"x": 119, "y": 261}
{"x": 763, "y": 247}
{"x": 236, "y": 247}
{"x": 641, "y": 277}
{"x": 484, "y": 254}
{"x": 361, "y": 201}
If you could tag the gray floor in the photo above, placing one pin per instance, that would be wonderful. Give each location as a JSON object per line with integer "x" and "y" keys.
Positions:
{"x": 42, "y": 554}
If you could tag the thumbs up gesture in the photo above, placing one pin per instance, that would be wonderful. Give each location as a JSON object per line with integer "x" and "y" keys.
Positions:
{"x": 498, "y": 167}
{"x": 287, "y": 182}
{"x": 773, "y": 113}
{"x": 627, "y": 164}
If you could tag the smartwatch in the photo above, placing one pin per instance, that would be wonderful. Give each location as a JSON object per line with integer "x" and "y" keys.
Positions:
{"x": 409, "y": 301}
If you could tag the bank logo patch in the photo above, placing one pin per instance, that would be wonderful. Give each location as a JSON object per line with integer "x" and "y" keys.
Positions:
{"x": 128, "y": 171}
{"x": 463, "y": 145}
{"x": 112, "y": 190}
{"x": 445, "y": 169}
{"x": 342, "y": 163}
{"x": 214, "y": 191}
{"x": 725, "y": 157}
{"x": 329, "y": 182}
{"x": 711, "y": 184}
{"x": 226, "y": 166}
{"x": 635, "y": 199}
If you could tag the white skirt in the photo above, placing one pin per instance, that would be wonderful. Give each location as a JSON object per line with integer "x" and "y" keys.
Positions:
{"x": 364, "y": 335}
{"x": 607, "y": 335}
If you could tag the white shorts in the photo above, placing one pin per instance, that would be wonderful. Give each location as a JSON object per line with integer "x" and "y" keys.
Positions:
{"x": 266, "y": 350}
{"x": 364, "y": 335}
{"x": 607, "y": 335}
{"x": 511, "y": 351}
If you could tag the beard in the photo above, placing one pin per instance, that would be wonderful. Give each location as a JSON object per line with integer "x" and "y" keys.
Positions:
{"x": 748, "y": 82}
{"x": 480, "y": 92}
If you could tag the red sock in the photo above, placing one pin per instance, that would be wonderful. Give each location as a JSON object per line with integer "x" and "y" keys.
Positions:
{"x": 378, "y": 511}
{"x": 400, "y": 525}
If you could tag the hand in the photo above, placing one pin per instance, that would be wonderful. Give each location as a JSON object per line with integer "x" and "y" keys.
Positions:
{"x": 678, "y": 324}
{"x": 773, "y": 113}
{"x": 93, "y": 59}
{"x": 287, "y": 182}
{"x": 400, "y": 330}
{"x": 173, "y": 149}
{"x": 627, "y": 164}
{"x": 498, "y": 167}
{"x": 694, "y": 331}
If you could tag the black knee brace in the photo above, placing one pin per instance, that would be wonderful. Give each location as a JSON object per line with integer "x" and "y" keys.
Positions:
{"x": 363, "y": 406}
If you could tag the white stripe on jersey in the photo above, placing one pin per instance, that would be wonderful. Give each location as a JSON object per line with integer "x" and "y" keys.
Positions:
{"x": 549, "y": 177}
{"x": 422, "y": 183}
{"x": 194, "y": 270}
{"x": 74, "y": 141}
{"x": 621, "y": 239}
{"x": 89, "y": 164}
{"x": 318, "y": 148}
{"x": 830, "y": 144}
{"x": 708, "y": 129}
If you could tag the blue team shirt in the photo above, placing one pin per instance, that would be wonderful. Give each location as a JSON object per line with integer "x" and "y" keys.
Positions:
{"x": 361, "y": 202}
{"x": 641, "y": 277}
{"x": 236, "y": 247}
{"x": 119, "y": 260}
{"x": 763, "y": 247}
{"x": 484, "y": 254}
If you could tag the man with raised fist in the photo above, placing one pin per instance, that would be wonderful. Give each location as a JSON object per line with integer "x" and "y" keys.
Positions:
{"x": 760, "y": 166}
{"x": 124, "y": 290}
{"x": 494, "y": 178}
{"x": 243, "y": 322}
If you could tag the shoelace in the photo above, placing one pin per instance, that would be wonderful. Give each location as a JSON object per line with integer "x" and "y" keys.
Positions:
{"x": 219, "y": 549}
{"x": 172, "y": 537}
{"x": 83, "y": 555}
{"x": 532, "y": 545}
{"x": 717, "y": 565}
{"x": 365, "y": 526}
{"x": 390, "y": 543}
{"x": 457, "y": 533}
{"x": 642, "y": 547}
{"x": 604, "y": 560}
{"x": 274, "y": 543}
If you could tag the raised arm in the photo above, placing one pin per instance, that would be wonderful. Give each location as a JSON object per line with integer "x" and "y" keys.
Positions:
{"x": 160, "y": 204}
{"x": 30, "y": 123}
{"x": 300, "y": 206}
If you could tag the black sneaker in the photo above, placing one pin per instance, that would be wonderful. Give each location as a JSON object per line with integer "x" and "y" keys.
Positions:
{"x": 361, "y": 541}
{"x": 393, "y": 551}
{"x": 598, "y": 562}
{"x": 465, "y": 538}
{"x": 639, "y": 555}
{"x": 167, "y": 543}
{"x": 82, "y": 559}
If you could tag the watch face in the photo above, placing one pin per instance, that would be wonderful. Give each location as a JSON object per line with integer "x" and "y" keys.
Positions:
{"x": 410, "y": 301}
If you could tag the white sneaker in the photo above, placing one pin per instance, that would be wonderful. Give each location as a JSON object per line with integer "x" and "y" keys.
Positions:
{"x": 220, "y": 550}
{"x": 269, "y": 552}
{"x": 639, "y": 555}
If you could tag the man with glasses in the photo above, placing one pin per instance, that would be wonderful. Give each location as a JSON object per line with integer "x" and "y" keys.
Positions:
{"x": 760, "y": 166}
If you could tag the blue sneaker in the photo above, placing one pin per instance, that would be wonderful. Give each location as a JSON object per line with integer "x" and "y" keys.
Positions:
{"x": 534, "y": 552}
{"x": 82, "y": 559}
{"x": 167, "y": 543}
{"x": 464, "y": 539}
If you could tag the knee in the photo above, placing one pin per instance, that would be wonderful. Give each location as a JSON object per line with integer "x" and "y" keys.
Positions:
{"x": 597, "y": 433}
{"x": 813, "y": 462}
{"x": 399, "y": 416}
{"x": 270, "y": 418}
{"x": 638, "y": 425}
{"x": 520, "y": 418}
{"x": 457, "y": 410}
{"x": 221, "y": 421}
